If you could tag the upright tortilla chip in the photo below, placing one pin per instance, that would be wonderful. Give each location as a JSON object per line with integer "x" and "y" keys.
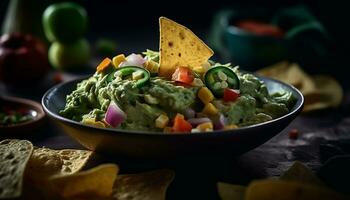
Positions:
{"x": 95, "y": 183}
{"x": 143, "y": 186}
{"x": 45, "y": 162}
{"x": 14, "y": 155}
{"x": 179, "y": 46}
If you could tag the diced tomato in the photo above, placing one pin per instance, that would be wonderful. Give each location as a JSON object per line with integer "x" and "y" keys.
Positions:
{"x": 230, "y": 94}
{"x": 293, "y": 134}
{"x": 57, "y": 78}
{"x": 183, "y": 75}
{"x": 181, "y": 125}
{"x": 103, "y": 65}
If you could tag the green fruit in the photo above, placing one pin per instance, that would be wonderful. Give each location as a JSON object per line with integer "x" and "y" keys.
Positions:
{"x": 69, "y": 56}
{"x": 64, "y": 22}
{"x": 106, "y": 47}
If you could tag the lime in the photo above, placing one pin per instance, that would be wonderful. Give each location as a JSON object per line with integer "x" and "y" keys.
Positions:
{"x": 64, "y": 22}
{"x": 70, "y": 56}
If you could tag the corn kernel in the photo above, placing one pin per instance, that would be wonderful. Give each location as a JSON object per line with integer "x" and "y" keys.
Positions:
{"x": 162, "y": 121}
{"x": 230, "y": 127}
{"x": 152, "y": 66}
{"x": 206, "y": 66}
{"x": 199, "y": 69}
{"x": 210, "y": 109}
{"x": 208, "y": 126}
{"x": 205, "y": 95}
{"x": 194, "y": 130}
{"x": 93, "y": 122}
{"x": 118, "y": 59}
{"x": 137, "y": 75}
{"x": 197, "y": 82}
{"x": 168, "y": 129}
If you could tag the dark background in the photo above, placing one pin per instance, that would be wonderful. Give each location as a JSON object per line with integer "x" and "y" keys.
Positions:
{"x": 134, "y": 24}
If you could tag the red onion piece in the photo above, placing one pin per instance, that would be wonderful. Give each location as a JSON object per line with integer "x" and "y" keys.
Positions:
{"x": 133, "y": 60}
{"x": 220, "y": 123}
{"x": 196, "y": 121}
{"x": 189, "y": 113}
{"x": 114, "y": 115}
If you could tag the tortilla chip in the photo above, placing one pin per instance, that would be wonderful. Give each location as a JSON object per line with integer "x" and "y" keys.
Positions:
{"x": 14, "y": 155}
{"x": 289, "y": 190}
{"x": 320, "y": 91}
{"x": 329, "y": 94}
{"x": 45, "y": 163}
{"x": 179, "y": 46}
{"x": 290, "y": 73}
{"x": 299, "y": 172}
{"x": 91, "y": 184}
{"x": 229, "y": 191}
{"x": 146, "y": 186}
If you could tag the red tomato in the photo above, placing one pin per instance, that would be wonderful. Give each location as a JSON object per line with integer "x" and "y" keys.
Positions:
{"x": 293, "y": 134}
{"x": 181, "y": 125}
{"x": 230, "y": 94}
{"x": 183, "y": 75}
{"x": 260, "y": 28}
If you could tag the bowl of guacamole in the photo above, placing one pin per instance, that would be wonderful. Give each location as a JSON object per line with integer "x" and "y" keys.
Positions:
{"x": 223, "y": 98}
{"x": 130, "y": 110}
{"x": 172, "y": 101}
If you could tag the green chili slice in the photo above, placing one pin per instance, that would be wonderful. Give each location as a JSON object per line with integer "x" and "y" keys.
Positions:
{"x": 127, "y": 72}
{"x": 220, "y": 77}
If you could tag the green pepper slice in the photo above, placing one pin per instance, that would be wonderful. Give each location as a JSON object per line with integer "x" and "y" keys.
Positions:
{"x": 127, "y": 72}
{"x": 220, "y": 77}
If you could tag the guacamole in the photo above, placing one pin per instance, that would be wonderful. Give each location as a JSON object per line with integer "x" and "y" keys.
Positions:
{"x": 129, "y": 91}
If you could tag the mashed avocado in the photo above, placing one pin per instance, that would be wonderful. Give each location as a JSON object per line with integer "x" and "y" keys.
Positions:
{"x": 92, "y": 97}
{"x": 146, "y": 106}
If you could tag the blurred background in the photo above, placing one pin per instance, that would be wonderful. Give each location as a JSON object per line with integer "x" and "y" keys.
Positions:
{"x": 127, "y": 26}
{"x": 295, "y": 41}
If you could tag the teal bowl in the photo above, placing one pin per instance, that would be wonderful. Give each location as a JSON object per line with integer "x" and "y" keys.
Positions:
{"x": 251, "y": 51}
{"x": 304, "y": 41}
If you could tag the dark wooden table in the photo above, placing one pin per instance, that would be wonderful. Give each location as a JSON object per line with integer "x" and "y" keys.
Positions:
{"x": 196, "y": 177}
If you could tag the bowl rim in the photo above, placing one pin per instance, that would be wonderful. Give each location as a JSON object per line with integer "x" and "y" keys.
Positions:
{"x": 296, "y": 109}
{"x": 236, "y": 31}
{"x": 30, "y": 104}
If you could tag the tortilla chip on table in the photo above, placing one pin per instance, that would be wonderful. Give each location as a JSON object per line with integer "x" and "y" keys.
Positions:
{"x": 320, "y": 91}
{"x": 298, "y": 182}
{"x": 46, "y": 162}
{"x": 150, "y": 185}
{"x": 57, "y": 174}
{"x": 14, "y": 156}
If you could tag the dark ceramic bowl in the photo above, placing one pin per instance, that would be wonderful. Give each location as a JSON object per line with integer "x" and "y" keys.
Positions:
{"x": 305, "y": 40}
{"x": 22, "y": 130}
{"x": 252, "y": 51}
{"x": 153, "y": 144}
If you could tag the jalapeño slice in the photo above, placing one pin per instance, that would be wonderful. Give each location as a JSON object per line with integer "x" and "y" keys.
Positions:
{"x": 220, "y": 77}
{"x": 139, "y": 74}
